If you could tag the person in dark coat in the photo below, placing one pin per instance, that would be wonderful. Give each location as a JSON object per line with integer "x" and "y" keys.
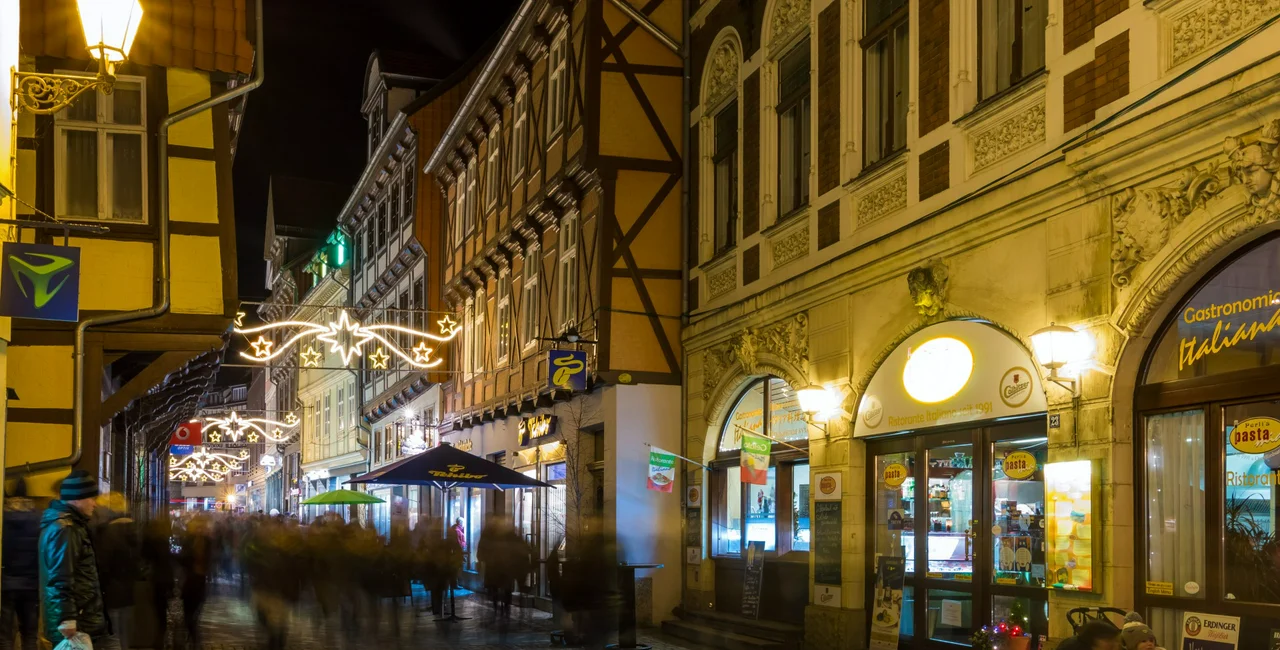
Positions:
{"x": 119, "y": 568}
{"x": 19, "y": 602}
{"x": 70, "y": 592}
{"x": 157, "y": 553}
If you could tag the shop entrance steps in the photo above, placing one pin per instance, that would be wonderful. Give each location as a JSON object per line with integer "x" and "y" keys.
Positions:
{"x": 731, "y": 632}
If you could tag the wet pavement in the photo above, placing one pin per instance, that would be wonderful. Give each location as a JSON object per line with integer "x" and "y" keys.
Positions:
{"x": 230, "y": 623}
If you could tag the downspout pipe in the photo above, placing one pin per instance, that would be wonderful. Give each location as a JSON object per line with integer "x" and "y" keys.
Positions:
{"x": 166, "y": 285}
{"x": 686, "y": 55}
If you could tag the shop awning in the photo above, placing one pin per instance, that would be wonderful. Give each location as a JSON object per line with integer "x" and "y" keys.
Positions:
{"x": 446, "y": 467}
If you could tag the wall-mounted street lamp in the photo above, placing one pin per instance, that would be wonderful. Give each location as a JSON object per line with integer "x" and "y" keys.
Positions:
{"x": 820, "y": 404}
{"x": 109, "y": 28}
{"x": 1059, "y": 347}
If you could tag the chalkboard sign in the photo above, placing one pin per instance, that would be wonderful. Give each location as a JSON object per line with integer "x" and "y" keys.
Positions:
{"x": 693, "y": 527}
{"x": 752, "y": 578}
{"x": 826, "y": 542}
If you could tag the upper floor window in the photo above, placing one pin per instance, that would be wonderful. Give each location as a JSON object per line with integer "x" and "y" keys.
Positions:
{"x": 357, "y": 252}
{"x": 352, "y": 412}
{"x": 478, "y": 335}
{"x": 469, "y": 330}
{"x": 459, "y": 207}
{"x": 492, "y": 171}
{"x": 382, "y": 226}
{"x": 406, "y": 203}
{"x": 101, "y": 155}
{"x": 470, "y": 214}
{"x": 393, "y": 198}
{"x": 568, "y": 270}
{"x": 885, "y": 79}
{"x": 503, "y": 343}
{"x": 404, "y": 319}
{"x": 725, "y": 160}
{"x": 420, "y": 305}
{"x": 519, "y": 137}
{"x": 793, "y": 129}
{"x": 557, "y": 82}
{"x": 1012, "y": 42}
{"x": 370, "y": 241}
{"x": 377, "y": 125}
{"x": 529, "y": 300}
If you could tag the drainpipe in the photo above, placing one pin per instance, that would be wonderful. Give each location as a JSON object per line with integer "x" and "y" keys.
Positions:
{"x": 166, "y": 287}
{"x": 686, "y": 104}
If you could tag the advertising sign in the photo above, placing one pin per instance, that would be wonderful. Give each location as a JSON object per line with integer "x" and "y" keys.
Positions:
{"x": 181, "y": 450}
{"x": 1209, "y": 632}
{"x": 828, "y": 486}
{"x": 752, "y": 578}
{"x": 40, "y": 281}
{"x": 187, "y": 433}
{"x": 530, "y": 429}
{"x": 755, "y": 459}
{"x": 1019, "y": 465}
{"x": 886, "y": 609}
{"x": 827, "y": 538}
{"x": 662, "y": 470}
{"x": 568, "y": 370}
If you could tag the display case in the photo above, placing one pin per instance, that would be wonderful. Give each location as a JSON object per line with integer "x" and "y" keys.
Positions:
{"x": 1072, "y": 525}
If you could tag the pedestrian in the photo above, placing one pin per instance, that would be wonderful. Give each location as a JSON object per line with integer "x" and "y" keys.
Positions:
{"x": 118, "y": 565}
{"x": 19, "y": 603}
{"x": 71, "y": 594}
{"x": 196, "y": 559}
{"x": 157, "y": 555}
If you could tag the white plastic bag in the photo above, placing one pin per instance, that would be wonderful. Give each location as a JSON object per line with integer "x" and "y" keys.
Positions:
{"x": 80, "y": 641}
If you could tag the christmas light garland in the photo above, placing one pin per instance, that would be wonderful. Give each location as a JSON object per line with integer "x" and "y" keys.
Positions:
{"x": 204, "y": 465}
{"x": 233, "y": 428}
{"x": 347, "y": 338}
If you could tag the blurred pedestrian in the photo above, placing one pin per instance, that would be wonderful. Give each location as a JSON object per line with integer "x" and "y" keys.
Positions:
{"x": 71, "y": 594}
{"x": 196, "y": 560}
{"x": 118, "y": 564}
{"x": 157, "y": 556}
{"x": 19, "y": 603}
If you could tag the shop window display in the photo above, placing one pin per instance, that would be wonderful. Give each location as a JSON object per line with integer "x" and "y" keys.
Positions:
{"x": 800, "y": 507}
{"x": 895, "y": 507}
{"x": 1251, "y": 545}
{"x": 1017, "y": 489}
{"x": 1175, "y": 464}
{"x": 762, "y": 514}
{"x": 950, "y": 511}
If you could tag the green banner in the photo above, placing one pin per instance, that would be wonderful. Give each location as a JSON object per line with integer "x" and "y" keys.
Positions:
{"x": 662, "y": 470}
{"x": 755, "y": 458}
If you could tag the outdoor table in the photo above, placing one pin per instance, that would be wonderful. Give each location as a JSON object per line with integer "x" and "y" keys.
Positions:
{"x": 627, "y": 617}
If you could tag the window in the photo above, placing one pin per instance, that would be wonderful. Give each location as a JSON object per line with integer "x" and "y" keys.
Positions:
{"x": 358, "y": 252}
{"x": 393, "y": 197}
{"x": 419, "y": 304}
{"x": 469, "y": 215}
{"x": 1176, "y": 525}
{"x": 504, "y": 317}
{"x": 327, "y": 421}
{"x": 793, "y": 130}
{"x": 101, "y": 155}
{"x": 725, "y": 161}
{"x": 557, "y": 83}
{"x": 479, "y": 339}
{"x": 492, "y": 171}
{"x": 1012, "y": 42}
{"x": 885, "y": 79}
{"x": 519, "y": 139}
{"x": 369, "y": 238}
{"x": 342, "y": 411}
{"x": 468, "y": 328}
{"x": 568, "y": 302}
{"x": 529, "y": 301}
{"x": 800, "y": 506}
{"x": 410, "y": 180}
{"x": 459, "y": 207}
{"x": 351, "y": 406}
{"x": 382, "y": 226}
{"x": 403, "y": 319}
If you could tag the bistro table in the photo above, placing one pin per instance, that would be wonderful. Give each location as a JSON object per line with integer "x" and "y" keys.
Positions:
{"x": 627, "y": 617}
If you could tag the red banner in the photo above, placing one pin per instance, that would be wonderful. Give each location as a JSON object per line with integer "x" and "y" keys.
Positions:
{"x": 188, "y": 433}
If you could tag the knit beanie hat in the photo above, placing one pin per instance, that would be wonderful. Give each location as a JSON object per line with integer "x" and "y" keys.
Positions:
{"x": 78, "y": 485}
{"x": 1135, "y": 631}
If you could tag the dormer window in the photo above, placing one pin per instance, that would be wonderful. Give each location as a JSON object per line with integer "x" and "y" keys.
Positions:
{"x": 377, "y": 117}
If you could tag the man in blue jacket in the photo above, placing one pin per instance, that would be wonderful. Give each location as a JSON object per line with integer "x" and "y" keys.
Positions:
{"x": 70, "y": 593}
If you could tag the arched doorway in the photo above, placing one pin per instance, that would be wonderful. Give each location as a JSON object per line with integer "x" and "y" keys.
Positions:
{"x": 774, "y": 513}
{"x": 1207, "y": 453}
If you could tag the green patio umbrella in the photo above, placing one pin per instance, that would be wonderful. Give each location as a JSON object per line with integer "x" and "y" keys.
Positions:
{"x": 341, "y": 498}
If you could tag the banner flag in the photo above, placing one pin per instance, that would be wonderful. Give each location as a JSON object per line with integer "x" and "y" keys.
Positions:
{"x": 755, "y": 458}
{"x": 662, "y": 470}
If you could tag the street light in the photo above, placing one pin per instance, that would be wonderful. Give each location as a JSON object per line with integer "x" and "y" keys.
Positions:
{"x": 1059, "y": 346}
{"x": 109, "y": 29}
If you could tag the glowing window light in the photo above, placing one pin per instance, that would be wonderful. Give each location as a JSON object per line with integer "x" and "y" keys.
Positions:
{"x": 937, "y": 370}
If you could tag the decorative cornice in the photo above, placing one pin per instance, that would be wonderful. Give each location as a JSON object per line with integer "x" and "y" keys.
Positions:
{"x": 1209, "y": 22}
{"x": 882, "y": 200}
{"x": 791, "y": 244}
{"x": 722, "y": 74}
{"x": 1023, "y": 128}
{"x": 780, "y": 348}
{"x": 789, "y": 18}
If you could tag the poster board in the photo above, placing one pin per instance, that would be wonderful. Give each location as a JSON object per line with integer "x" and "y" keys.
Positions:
{"x": 752, "y": 580}
{"x": 827, "y": 542}
{"x": 886, "y": 606}
{"x": 1209, "y": 632}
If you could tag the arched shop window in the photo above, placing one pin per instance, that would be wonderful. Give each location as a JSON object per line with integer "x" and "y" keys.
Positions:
{"x": 777, "y": 512}
{"x": 1207, "y": 469}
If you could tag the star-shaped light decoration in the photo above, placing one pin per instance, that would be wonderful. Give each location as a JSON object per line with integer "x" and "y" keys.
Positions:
{"x": 345, "y": 337}
{"x": 262, "y": 347}
{"x": 252, "y": 437}
{"x": 239, "y": 321}
{"x": 215, "y": 437}
{"x": 290, "y": 419}
{"x": 310, "y": 357}
{"x": 378, "y": 360}
{"x": 447, "y": 326}
{"x": 422, "y": 353}
{"x": 244, "y": 453}
{"x": 277, "y": 432}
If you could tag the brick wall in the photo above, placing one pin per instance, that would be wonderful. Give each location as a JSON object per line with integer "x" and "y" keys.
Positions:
{"x": 829, "y": 98}
{"x": 1097, "y": 83}
{"x": 829, "y": 225}
{"x": 692, "y": 251}
{"x": 751, "y": 154}
{"x": 935, "y": 170}
{"x": 751, "y": 265}
{"x": 935, "y": 62}
{"x": 1081, "y": 17}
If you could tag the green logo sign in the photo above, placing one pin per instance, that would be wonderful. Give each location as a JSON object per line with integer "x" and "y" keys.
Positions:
{"x": 41, "y": 277}
{"x": 40, "y": 281}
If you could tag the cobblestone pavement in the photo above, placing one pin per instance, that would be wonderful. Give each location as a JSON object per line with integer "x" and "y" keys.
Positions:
{"x": 230, "y": 623}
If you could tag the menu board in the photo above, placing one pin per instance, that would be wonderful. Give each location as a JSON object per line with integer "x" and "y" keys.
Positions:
{"x": 826, "y": 531}
{"x": 693, "y": 527}
{"x": 752, "y": 578}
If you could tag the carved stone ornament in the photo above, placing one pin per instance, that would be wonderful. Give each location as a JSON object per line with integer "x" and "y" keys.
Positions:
{"x": 886, "y": 199}
{"x": 928, "y": 287}
{"x": 722, "y": 282}
{"x": 722, "y": 73}
{"x": 1212, "y": 22}
{"x": 1144, "y": 219}
{"x": 789, "y": 17}
{"x": 787, "y": 340}
{"x": 1017, "y": 132}
{"x": 791, "y": 247}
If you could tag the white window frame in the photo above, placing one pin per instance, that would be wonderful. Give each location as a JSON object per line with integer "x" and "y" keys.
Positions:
{"x": 519, "y": 135}
{"x": 470, "y": 212}
{"x": 502, "y": 343}
{"x": 557, "y": 87}
{"x": 455, "y": 209}
{"x": 568, "y": 285}
{"x": 492, "y": 170}
{"x": 529, "y": 299}
{"x": 103, "y": 127}
{"x": 468, "y": 329}
{"x": 480, "y": 340}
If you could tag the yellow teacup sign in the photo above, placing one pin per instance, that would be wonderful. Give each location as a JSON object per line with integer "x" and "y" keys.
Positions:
{"x": 1019, "y": 465}
{"x": 1256, "y": 435}
{"x": 895, "y": 474}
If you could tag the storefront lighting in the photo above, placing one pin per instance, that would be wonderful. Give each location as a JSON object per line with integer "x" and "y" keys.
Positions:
{"x": 937, "y": 370}
{"x": 109, "y": 29}
{"x": 816, "y": 400}
{"x": 1060, "y": 349}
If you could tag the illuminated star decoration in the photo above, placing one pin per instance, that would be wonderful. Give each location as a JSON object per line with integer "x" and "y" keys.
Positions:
{"x": 422, "y": 353}
{"x": 347, "y": 337}
{"x": 310, "y": 357}
{"x": 290, "y": 419}
{"x": 202, "y": 465}
{"x": 234, "y": 427}
{"x": 239, "y": 321}
{"x": 379, "y": 359}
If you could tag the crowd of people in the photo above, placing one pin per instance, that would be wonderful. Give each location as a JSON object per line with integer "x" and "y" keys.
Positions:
{"x": 92, "y": 568}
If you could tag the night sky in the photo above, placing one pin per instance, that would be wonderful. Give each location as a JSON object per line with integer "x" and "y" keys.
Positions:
{"x": 305, "y": 119}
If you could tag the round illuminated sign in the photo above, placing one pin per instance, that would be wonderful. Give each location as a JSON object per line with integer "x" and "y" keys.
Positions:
{"x": 937, "y": 370}
{"x": 895, "y": 474}
{"x": 1256, "y": 435}
{"x": 1019, "y": 465}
